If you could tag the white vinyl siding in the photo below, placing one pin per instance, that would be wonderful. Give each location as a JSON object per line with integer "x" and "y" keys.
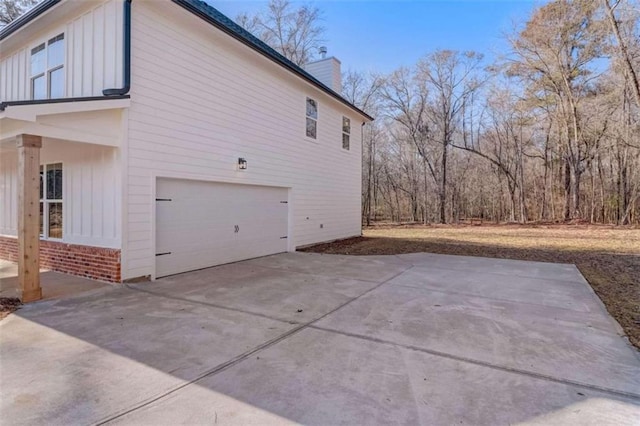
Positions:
{"x": 92, "y": 59}
{"x": 199, "y": 101}
{"x": 8, "y": 192}
{"x": 90, "y": 190}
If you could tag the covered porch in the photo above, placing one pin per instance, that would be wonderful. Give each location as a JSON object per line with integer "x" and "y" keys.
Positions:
{"x": 60, "y": 185}
{"x": 54, "y": 285}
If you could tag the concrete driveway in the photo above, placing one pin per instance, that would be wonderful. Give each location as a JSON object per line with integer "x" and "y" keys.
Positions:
{"x": 322, "y": 339}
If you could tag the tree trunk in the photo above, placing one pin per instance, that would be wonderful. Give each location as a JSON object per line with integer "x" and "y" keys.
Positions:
{"x": 567, "y": 190}
{"x": 426, "y": 191}
{"x": 369, "y": 182}
{"x": 577, "y": 176}
{"x": 512, "y": 195}
{"x": 624, "y": 53}
{"x": 443, "y": 184}
{"x": 544, "y": 213}
{"x": 625, "y": 194}
{"x": 592, "y": 210}
{"x": 601, "y": 176}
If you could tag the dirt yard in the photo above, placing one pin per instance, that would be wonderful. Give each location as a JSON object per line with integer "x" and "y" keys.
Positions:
{"x": 608, "y": 257}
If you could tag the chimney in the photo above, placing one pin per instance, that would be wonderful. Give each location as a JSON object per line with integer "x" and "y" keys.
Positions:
{"x": 327, "y": 70}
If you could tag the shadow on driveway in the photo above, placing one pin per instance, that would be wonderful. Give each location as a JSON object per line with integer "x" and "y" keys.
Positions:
{"x": 320, "y": 339}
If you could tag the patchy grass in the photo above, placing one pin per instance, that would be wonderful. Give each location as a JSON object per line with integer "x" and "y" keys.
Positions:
{"x": 608, "y": 257}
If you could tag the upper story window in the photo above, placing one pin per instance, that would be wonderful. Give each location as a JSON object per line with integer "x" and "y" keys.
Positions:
{"x": 47, "y": 69}
{"x": 346, "y": 132}
{"x": 312, "y": 118}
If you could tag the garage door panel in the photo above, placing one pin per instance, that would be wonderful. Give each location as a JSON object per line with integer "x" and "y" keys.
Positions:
{"x": 195, "y": 242}
{"x": 185, "y": 261}
{"x": 206, "y": 224}
{"x": 192, "y": 235}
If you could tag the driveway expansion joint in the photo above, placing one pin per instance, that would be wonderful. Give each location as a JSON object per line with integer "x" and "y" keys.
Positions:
{"x": 275, "y": 268}
{"x": 209, "y": 304}
{"x": 498, "y": 299}
{"x": 483, "y": 363}
{"x": 238, "y": 359}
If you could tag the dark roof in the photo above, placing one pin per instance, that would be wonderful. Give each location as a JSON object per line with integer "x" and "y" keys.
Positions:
{"x": 218, "y": 20}
{"x": 36, "y": 11}
{"x": 227, "y": 25}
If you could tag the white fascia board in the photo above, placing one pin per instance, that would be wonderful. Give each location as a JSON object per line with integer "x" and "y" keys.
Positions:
{"x": 32, "y": 112}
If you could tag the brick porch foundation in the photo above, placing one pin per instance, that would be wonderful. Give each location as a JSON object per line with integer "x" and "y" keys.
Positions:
{"x": 84, "y": 261}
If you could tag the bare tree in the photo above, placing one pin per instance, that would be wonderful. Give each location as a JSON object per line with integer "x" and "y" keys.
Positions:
{"x": 363, "y": 91}
{"x": 556, "y": 136}
{"x": 452, "y": 79}
{"x": 623, "y": 50}
{"x": 497, "y": 140}
{"x": 405, "y": 101}
{"x": 555, "y": 52}
{"x": 296, "y": 33}
{"x": 12, "y": 9}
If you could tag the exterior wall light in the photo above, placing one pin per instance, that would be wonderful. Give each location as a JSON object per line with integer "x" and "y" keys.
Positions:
{"x": 242, "y": 164}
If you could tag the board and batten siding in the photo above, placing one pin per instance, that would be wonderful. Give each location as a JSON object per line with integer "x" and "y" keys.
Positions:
{"x": 93, "y": 54}
{"x": 200, "y": 100}
{"x": 8, "y": 192}
{"x": 91, "y": 192}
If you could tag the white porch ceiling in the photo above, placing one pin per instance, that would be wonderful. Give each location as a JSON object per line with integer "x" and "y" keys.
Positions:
{"x": 96, "y": 122}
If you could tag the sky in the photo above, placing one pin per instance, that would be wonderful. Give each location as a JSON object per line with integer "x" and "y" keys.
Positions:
{"x": 380, "y": 36}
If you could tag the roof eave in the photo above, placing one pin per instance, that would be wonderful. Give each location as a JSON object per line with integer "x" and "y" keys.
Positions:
{"x": 5, "y": 105}
{"x": 32, "y": 14}
{"x": 189, "y": 6}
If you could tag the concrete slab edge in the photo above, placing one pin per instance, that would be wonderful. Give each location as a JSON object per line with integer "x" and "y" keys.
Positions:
{"x": 604, "y": 310}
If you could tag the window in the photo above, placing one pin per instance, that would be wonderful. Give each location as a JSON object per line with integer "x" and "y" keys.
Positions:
{"x": 312, "y": 118}
{"x": 51, "y": 201}
{"x": 346, "y": 132}
{"x": 47, "y": 69}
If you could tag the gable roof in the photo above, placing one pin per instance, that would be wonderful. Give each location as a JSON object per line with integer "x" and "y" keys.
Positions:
{"x": 218, "y": 20}
{"x": 227, "y": 25}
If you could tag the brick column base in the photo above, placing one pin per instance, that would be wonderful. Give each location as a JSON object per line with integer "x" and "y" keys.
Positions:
{"x": 84, "y": 261}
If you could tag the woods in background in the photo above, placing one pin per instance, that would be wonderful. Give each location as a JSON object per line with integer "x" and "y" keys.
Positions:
{"x": 551, "y": 132}
{"x": 12, "y": 9}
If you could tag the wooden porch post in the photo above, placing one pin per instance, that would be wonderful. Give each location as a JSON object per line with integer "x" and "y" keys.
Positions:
{"x": 29, "y": 217}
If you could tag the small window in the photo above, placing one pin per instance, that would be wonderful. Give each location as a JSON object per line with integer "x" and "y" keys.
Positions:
{"x": 47, "y": 69}
{"x": 55, "y": 52}
{"x": 51, "y": 218}
{"x": 346, "y": 132}
{"x": 312, "y": 118}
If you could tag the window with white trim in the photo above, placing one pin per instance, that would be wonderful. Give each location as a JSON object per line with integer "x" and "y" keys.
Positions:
{"x": 51, "y": 201}
{"x": 312, "y": 118}
{"x": 346, "y": 132}
{"x": 47, "y": 69}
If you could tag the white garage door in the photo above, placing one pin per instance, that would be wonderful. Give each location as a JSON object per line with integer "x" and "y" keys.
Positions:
{"x": 202, "y": 224}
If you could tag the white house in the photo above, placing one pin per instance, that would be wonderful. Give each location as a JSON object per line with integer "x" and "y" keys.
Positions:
{"x": 167, "y": 139}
